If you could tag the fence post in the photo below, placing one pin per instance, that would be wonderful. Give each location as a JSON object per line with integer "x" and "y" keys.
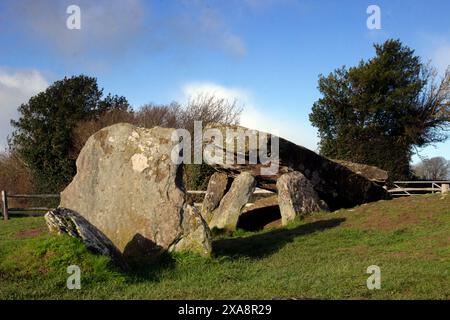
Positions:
{"x": 5, "y": 205}
{"x": 445, "y": 187}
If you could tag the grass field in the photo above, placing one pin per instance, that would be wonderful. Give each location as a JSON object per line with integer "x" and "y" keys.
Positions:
{"x": 324, "y": 256}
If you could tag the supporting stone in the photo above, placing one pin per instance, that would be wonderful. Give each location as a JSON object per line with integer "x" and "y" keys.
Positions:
{"x": 227, "y": 214}
{"x": 197, "y": 236}
{"x": 217, "y": 186}
{"x": 296, "y": 197}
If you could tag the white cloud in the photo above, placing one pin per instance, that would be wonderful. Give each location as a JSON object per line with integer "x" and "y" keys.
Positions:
{"x": 441, "y": 56}
{"x": 111, "y": 28}
{"x": 436, "y": 47}
{"x": 199, "y": 23}
{"x": 279, "y": 123}
{"x": 194, "y": 89}
{"x": 271, "y": 120}
{"x": 16, "y": 87}
{"x": 108, "y": 27}
{"x": 234, "y": 44}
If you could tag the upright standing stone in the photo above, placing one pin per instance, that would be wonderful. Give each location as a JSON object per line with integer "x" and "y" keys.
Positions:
{"x": 129, "y": 188}
{"x": 217, "y": 187}
{"x": 198, "y": 235}
{"x": 227, "y": 214}
{"x": 296, "y": 197}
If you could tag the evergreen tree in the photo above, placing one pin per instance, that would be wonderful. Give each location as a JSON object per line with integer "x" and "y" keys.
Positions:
{"x": 377, "y": 112}
{"x": 42, "y": 135}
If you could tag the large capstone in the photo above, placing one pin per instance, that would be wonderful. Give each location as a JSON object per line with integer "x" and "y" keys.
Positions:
{"x": 128, "y": 187}
{"x": 337, "y": 185}
{"x": 372, "y": 173}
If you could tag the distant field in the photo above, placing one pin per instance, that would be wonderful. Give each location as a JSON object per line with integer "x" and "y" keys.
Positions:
{"x": 324, "y": 256}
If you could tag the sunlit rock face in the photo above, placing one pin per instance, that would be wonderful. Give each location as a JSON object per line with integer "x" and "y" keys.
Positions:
{"x": 128, "y": 187}
{"x": 226, "y": 216}
{"x": 297, "y": 197}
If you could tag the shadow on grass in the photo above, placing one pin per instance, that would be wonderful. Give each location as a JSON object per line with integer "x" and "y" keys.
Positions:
{"x": 146, "y": 260}
{"x": 151, "y": 271}
{"x": 261, "y": 245}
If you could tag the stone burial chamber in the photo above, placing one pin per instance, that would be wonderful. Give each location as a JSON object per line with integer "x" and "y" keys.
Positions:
{"x": 304, "y": 181}
{"x": 295, "y": 198}
{"x": 261, "y": 213}
{"x": 128, "y": 189}
{"x": 335, "y": 184}
{"x": 127, "y": 199}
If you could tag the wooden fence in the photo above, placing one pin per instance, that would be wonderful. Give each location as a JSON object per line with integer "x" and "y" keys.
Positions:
{"x": 411, "y": 188}
{"x": 401, "y": 188}
{"x": 6, "y": 210}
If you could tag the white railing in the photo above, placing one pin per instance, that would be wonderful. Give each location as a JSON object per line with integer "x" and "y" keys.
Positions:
{"x": 410, "y": 188}
{"x": 257, "y": 191}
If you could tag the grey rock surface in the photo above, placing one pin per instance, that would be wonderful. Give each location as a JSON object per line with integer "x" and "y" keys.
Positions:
{"x": 128, "y": 187}
{"x": 227, "y": 214}
{"x": 297, "y": 197}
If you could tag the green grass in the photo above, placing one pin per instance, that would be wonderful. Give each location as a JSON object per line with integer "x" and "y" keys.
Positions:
{"x": 324, "y": 256}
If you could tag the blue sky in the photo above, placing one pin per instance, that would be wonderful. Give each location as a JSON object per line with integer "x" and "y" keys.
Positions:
{"x": 266, "y": 53}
